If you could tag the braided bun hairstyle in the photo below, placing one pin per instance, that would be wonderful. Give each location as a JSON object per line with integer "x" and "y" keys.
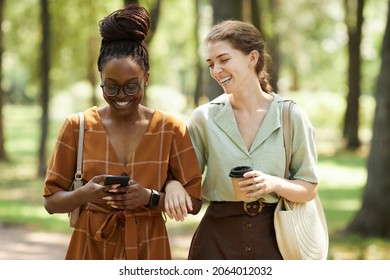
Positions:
{"x": 123, "y": 35}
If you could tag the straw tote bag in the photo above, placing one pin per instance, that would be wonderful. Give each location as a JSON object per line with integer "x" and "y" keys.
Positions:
{"x": 301, "y": 229}
{"x": 78, "y": 176}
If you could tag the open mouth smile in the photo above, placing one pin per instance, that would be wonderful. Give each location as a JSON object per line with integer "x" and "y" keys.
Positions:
{"x": 122, "y": 103}
{"x": 226, "y": 79}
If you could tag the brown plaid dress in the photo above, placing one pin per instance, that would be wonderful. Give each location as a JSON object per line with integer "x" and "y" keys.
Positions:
{"x": 102, "y": 232}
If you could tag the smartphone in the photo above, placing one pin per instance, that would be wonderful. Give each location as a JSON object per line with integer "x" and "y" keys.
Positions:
{"x": 112, "y": 180}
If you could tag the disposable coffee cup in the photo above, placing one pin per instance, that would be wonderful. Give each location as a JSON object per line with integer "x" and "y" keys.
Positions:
{"x": 236, "y": 175}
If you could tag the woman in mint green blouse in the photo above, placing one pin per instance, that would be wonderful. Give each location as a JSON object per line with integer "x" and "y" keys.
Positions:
{"x": 243, "y": 127}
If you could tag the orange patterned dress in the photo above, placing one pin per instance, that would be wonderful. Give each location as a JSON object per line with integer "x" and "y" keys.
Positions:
{"x": 102, "y": 232}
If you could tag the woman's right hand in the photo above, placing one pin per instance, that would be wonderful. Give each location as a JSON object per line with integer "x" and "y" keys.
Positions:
{"x": 94, "y": 190}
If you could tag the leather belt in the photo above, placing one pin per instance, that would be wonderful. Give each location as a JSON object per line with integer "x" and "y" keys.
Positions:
{"x": 250, "y": 208}
{"x": 255, "y": 207}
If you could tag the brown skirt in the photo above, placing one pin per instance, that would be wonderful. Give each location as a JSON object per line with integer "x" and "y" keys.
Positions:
{"x": 228, "y": 232}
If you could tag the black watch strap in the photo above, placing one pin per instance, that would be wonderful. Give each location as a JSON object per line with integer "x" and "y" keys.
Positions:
{"x": 154, "y": 199}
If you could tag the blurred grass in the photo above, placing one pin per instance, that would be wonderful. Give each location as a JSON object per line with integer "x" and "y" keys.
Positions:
{"x": 343, "y": 176}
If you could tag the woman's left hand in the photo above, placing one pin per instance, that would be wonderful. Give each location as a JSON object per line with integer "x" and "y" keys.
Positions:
{"x": 256, "y": 183}
{"x": 177, "y": 201}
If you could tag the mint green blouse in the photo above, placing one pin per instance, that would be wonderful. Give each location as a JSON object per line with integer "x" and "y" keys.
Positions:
{"x": 220, "y": 147}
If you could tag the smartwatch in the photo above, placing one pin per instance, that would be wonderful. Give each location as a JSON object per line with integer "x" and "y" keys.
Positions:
{"x": 154, "y": 199}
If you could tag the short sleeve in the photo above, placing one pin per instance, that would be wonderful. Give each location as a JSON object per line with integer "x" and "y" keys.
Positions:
{"x": 303, "y": 164}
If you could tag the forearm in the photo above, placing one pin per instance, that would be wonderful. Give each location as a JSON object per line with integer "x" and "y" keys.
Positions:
{"x": 63, "y": 202}
{"x": 295, "y": 190}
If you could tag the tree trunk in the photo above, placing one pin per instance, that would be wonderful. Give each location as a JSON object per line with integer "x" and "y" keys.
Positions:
{"x": 3, "y": 154}
{"x": 91, "y": 71}
{"x": 274, "y": 46}
{"x": 354, "y": 21}
{"x": 45, "y": 68}
{"x": 373, "y": 219}
{"x": 222, "y": 10}
{"x": 199, "y": 89}
{"x": 127, "y": 2}
{"x": 155, "y": 12}
{"x": 256, "y": 15}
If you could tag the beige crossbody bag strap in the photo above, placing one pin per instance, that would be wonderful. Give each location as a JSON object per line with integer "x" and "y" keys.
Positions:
{"x": 287, "y": 107}
{"x": 78, "y": 176}
{"x": 291, "y": 246}
{"x": 79, "y": 168}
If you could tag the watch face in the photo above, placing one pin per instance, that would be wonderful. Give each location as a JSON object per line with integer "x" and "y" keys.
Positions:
{"x": 154, "y": 199}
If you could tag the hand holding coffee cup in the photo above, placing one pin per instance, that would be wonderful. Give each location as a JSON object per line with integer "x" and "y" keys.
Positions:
{"x": 237, "y": 174}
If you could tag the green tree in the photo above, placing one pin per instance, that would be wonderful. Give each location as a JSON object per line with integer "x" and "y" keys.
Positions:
{"x": 354, "y": 22}
{"x": 373, "y": 219}
{"x": 45, "y": 68}
{"x": 3, "y": 155}
{"x": 258, "y": 11}
{"x": 199, "y": 89}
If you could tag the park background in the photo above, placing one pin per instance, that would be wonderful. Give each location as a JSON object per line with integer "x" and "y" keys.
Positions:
{"x": 327, "y": 56}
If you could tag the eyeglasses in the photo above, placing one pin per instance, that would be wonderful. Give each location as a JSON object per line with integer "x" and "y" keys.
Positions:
{"x": 113, "y": 89}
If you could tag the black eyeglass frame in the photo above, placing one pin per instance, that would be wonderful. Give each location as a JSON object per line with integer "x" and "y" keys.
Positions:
{"x": 118, "y": 87}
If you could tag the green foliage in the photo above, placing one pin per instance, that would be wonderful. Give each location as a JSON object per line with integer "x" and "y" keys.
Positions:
{"x": 72, "y": 27}
{"x": 326, "y": 112}
{"x": 173, "y": 50}
{"x": 21, "y": 37}
{"x": 32, "y": 214}
{"x": 312, "y": 41}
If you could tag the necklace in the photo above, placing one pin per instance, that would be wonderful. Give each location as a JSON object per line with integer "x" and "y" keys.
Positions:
{"x": 135, "y": 135}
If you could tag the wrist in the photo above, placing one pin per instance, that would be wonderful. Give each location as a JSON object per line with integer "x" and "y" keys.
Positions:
{"x": 154, "y": 199}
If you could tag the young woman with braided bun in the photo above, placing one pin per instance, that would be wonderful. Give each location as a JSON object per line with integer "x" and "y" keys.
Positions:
{"x": 243, "y": 127}
{"x": 124, "y": 138}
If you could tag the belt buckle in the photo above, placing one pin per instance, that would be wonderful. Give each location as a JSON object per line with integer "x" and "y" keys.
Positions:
{"x": 253, "y": 205}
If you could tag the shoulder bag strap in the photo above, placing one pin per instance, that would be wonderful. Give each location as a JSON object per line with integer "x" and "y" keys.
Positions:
{"x": 79, "y": 172}
{"x": 287, "y": 107}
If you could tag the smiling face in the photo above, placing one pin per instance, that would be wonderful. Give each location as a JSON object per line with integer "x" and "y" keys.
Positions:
{"x": 122, "y": 71}
{"x": 231, "y": 68}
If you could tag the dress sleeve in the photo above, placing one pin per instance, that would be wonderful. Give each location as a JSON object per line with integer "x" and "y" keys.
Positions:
{"x": 62, "y": 165}
{"x": 183, "y": 163}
